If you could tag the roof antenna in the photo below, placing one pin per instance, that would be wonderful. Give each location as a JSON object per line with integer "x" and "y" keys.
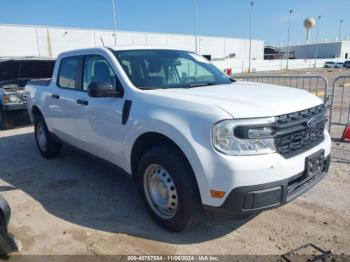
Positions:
{"x": 103, "y": 43}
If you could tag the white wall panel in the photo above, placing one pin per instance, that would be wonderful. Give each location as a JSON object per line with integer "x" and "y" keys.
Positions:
{"x": 17, "y": 40}
{"x": 157, "y": 39}
{"x": 181, "y": 42}
{"x": 63, "y": 40}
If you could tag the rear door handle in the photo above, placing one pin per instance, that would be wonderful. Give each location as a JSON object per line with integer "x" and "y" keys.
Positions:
{"x": 82, "y": 102}
{"x": 55, "y": 96}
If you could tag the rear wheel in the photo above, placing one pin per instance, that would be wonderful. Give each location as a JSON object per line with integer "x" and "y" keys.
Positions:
{"x": 169, "y": 189}
{"x": 47, "y": 145}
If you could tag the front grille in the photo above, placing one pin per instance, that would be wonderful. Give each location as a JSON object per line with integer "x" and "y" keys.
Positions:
{"x": 24, "y": 98}
{"x": 295, "y": 134}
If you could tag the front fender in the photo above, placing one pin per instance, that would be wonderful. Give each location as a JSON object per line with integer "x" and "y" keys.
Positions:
{"x": 192, "y": 136}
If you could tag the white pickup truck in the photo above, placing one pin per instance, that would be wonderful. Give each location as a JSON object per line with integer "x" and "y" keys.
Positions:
{"x": 192, "y": 137}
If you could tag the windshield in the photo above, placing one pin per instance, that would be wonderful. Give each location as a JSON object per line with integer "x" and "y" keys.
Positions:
{"x": 152, "y": 69}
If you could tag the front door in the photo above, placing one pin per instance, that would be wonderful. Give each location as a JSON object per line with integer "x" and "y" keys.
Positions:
{"x": 100, "y": 128}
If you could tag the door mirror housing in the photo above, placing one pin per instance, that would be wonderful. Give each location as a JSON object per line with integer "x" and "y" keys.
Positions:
{"x": 102, "y": 89}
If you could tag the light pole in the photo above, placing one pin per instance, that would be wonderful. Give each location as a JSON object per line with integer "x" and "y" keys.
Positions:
{"x": 339, "y": 48}
{"x": 316, "y": 49}
{"x": 195, "y": 25}
{"x": 250, "y": 36}
{"x": 288, "y": 41}
{"x": 114, "y": 24}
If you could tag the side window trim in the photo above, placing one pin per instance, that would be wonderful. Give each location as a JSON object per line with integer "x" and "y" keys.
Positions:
{"x": 78, "y": 85}
{"x": 118, "y": 83}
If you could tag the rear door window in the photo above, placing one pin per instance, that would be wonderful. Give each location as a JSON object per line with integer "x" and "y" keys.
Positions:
{"x": 69, "y": 73}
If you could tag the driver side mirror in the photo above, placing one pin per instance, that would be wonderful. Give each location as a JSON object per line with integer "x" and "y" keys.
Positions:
{"x": 102, "y": 89}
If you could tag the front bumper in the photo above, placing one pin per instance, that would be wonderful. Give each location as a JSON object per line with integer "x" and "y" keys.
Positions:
{"x": 253, "y": 199}
{"x": 14, "y": 107}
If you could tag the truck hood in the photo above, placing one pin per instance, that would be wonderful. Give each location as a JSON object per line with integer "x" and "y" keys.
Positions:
{"x": 247, "y": 99}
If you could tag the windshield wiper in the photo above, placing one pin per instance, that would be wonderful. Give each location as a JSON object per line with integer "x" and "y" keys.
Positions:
{"x": 184, "y": 86}
{"x": 201, "y": 84}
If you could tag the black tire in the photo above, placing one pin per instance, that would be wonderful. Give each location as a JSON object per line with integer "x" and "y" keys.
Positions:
{"x": 189, "y": 205}
{"x": 52, "y": 147}
{"x": 4, "y": 123}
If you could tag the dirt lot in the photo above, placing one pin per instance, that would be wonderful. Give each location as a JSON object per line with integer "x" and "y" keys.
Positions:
{"x": 78, "y": 205}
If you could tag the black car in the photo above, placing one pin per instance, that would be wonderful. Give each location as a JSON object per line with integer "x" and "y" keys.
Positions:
{"x": 15, "y": 72}
{"x": 347, "y": 64}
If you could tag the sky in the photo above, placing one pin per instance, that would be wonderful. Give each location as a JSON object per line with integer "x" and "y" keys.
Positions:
{"x": 227, "y": 18}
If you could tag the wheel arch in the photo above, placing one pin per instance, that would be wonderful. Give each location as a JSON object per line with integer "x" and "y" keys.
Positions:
{"x": 35, "y": 113}
{"x": 145, "y": 142}
{"x": 152, "y": 139}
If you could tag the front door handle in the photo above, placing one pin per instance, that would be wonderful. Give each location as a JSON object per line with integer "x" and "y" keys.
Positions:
{"x": 55, "y": 96}
{"x": 82, "y": 102}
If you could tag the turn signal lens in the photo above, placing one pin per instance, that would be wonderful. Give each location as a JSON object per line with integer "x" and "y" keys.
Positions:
{"x": 217, "y": 193}
{"x": 6, "y": 99}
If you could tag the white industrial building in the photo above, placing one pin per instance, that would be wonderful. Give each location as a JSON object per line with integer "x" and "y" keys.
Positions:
{"x": 332, "y": 49}
{"x": 22, "y": 40}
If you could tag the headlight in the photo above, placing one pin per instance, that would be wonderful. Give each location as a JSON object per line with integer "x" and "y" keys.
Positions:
{"x": 12, "y": 99}
{"x": 242, "y": 137}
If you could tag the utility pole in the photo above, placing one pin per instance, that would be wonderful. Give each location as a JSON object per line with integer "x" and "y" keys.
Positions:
{"x": 196, "y": 25}
{"x": 316, "y": 50}
{"x": 288, "y": 42}
{"x": 250, "y": 36}
{"x": 339, "y": 48}
{"x": 114, "y": 24}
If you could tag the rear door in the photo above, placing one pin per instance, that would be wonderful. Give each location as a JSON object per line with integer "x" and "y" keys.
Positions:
{"x": 64, "y": 110}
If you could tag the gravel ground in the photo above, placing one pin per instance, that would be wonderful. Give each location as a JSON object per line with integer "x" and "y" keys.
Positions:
{"x": 77, "y": 205}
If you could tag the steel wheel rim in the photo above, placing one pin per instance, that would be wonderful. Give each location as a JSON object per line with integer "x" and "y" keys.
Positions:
{"x": 41, "y": 137}
{"x": 160, "y": 191}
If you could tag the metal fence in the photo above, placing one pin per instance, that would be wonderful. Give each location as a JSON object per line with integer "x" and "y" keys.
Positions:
{"x": 340, "y": 105}
{"x": 336, "y": 99}
{"x": 318, "y": 85}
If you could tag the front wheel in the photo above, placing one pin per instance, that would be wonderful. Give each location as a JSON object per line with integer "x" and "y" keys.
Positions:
{"x": 169, "y": 189}
{"x": 47, "y": 145}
